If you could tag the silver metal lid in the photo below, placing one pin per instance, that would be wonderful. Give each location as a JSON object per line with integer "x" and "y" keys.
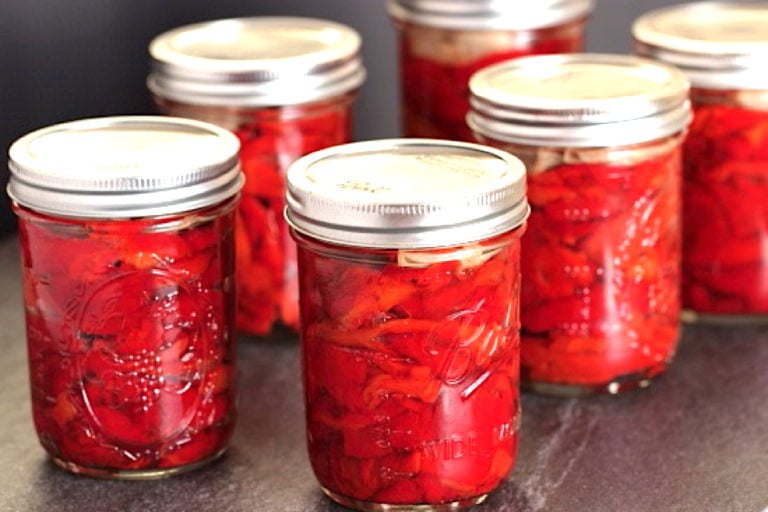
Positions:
{"x": 262, "y": 61}
{"x": 120, "y": 167}
{"x": 406, "y": 193}
{"x": 719, "y": 45}
{"x": 578, "y": 100}
{"x": 489, "y": 14}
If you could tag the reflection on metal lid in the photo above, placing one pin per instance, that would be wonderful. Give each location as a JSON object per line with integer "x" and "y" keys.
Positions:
{"x": 260, "y": 61}
{"x": 578, "y": 100}
{"x": 406, "y": 193}
{"x": 128, "y": 166}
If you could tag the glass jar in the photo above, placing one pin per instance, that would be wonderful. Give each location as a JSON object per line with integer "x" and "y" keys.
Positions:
{"x": 722, "y": 48}
{"x": 126, "y": 236}
{"x": 409, "y": 280}
{"x": 285, "y": 87}
{"x": 442, "y": 43}
{"x": 600, "y": 136}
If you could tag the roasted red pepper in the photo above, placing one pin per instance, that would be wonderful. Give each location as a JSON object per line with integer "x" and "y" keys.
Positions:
{"x": 725, "y": 249}
{"x": 131, "y": 349}
{"x": 271, "y": 139}
{"x": 411, "y": 366}
{"x": 601, "y": 266}
{"x": 267, "y": 283}
{"x": 436, "y": 65}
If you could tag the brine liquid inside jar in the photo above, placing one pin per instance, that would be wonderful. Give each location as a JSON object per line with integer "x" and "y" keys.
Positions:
{"x": 285, "y": 86}
{"x": 600, "y": 136}
{"x": 438, "y": 54}
{"x": 725, "y": 256}
{"x": 126, "y": 231}
{"x": 409, "y": 272}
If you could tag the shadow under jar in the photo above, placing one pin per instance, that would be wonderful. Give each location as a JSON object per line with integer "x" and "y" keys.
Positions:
{"x": 600, "y": 136}
{"x": 441, "y": 43}
{"x": 126, "y": 236}
{"x": 285, "y": 86}
{"x": 722, "y": 48}
{"x": 409, "y": 282}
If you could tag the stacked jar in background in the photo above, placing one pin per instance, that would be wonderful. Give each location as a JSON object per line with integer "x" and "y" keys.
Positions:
{"x": 286, "y": 87}
{"x": 722, "y": 48}
{"x": 441, "y": 43}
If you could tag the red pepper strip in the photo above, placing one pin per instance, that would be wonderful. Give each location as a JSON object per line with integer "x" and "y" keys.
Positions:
{"x": 595, "y": 367}
{"x": 420, "y": 384}
{"x": 368, "y": 338}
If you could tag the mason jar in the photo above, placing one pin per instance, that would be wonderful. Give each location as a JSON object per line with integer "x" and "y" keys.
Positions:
{"x": 441, "y": 43}
{"x": 722, "y": 48}
{"x": 126, "y": 238}
{"x": 409, "y": 280}
{"x": 285, "y": 86}
{"x": 600, "y": 136}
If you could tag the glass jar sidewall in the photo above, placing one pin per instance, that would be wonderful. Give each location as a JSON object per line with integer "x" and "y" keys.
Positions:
{"x": 101, "y": 294}
{"x": 325, "y": 328}
{"x": 591, "y": 272}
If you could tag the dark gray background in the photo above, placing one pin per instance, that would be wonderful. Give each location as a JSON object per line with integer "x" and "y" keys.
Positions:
{"x": 64, "y": 60}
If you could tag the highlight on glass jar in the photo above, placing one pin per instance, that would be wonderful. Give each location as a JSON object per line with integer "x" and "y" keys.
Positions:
{"x": 286, "y": 87}
{"x": 600, "y": 136}
{"x": 722, "y": 48}
{"x": 442, "y": 43}
{"x": 126, "y": 236}
{"x": 409, "y": 280}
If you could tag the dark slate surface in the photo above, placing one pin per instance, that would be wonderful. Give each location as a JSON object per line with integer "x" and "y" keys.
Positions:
{"x": 696, "y": 440}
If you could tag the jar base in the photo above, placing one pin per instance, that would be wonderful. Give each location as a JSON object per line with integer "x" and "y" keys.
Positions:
{"x": 134, "y": 474}
{"x": 690, "y": 316}
{"x": 574, "y": 391}
{"x": 368, "y": 506}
